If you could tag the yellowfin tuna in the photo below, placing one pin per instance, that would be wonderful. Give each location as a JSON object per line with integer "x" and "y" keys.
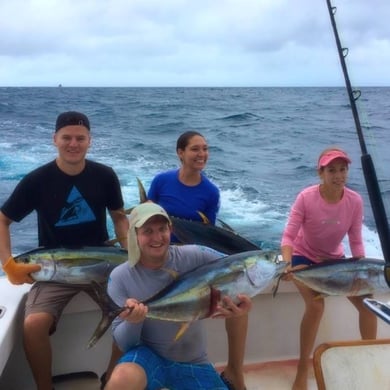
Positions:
{"x": 195, "y": 295}
{"x": 344, "y": 277}
{"x": 74, "y": 265}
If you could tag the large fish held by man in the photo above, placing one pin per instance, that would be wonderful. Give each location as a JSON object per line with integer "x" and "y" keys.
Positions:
{"x": 74, "y": 265}
{"x": 195, "y": 295}
{"x": 87, "y": 268}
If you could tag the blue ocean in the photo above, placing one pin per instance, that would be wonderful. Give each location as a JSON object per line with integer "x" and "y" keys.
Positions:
{"x": 264, "y": 144}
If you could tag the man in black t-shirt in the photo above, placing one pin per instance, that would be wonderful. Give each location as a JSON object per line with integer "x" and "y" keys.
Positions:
{"x": 71, "y": 196}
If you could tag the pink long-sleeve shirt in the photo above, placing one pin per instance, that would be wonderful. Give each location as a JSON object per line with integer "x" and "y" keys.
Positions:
{"x": 315, "y": 228}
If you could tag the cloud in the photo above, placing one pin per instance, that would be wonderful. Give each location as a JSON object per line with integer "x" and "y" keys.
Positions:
{"x": 183, "y": 42}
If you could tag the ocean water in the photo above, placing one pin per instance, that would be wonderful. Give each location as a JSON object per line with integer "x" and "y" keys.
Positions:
{"x": 264, "y": 144}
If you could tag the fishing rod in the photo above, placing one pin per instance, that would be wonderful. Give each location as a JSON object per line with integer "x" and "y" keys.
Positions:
{"x": 369, "y": 172}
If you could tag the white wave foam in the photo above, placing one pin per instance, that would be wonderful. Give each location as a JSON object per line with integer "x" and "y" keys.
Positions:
{"x": 372, "y": 244}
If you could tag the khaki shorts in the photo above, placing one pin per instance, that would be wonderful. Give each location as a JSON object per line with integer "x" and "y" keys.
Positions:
{"x": 51, "y": 297}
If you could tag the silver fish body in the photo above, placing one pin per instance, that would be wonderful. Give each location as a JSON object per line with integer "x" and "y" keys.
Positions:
{"x": 345, "y": 277}
{"x": 87, "y": 268}
{"x": 195, "y": 294}
{"x": 74, "y": 266}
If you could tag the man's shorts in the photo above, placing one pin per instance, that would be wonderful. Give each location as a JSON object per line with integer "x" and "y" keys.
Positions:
{"x": 162, "y": 372}
{"x": 51, "y": 297}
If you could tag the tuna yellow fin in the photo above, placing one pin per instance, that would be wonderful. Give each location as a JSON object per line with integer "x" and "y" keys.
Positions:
{"x": 204, "y": 218}
{"x": 182, "y": 330}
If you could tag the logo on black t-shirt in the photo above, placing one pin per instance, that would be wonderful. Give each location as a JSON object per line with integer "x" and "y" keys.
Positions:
{"x": 76, "y": 210}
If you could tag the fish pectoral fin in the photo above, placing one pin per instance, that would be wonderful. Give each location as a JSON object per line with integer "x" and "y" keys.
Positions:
{"x": 275, "y": 287}
{"x": 182, "y": 330}
{"x": 227, "y": 278}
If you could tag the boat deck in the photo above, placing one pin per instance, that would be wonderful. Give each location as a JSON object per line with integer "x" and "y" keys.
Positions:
{"x": 271, "y": 351}
{"x": 274, "y": 376}
{"x": 263, "y": 376}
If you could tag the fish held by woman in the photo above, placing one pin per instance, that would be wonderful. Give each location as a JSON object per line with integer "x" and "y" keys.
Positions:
{"x": 218, "y": 238}
{"x": 221, "y": 238}
{"x": 350, "y": 277}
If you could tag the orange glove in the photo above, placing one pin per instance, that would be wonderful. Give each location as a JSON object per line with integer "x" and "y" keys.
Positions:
{"x": 19, "y": 273}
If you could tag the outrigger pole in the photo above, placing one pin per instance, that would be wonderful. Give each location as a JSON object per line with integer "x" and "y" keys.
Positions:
{"x": 370, "y": 176}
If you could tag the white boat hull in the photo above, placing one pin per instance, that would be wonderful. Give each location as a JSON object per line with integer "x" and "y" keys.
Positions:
{"x": 272, "y": 335}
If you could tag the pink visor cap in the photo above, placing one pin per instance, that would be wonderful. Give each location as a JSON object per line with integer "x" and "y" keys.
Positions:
{"x": 328, "y": 157}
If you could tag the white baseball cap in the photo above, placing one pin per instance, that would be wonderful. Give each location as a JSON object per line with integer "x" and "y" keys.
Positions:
{"x": 137, "y": 218}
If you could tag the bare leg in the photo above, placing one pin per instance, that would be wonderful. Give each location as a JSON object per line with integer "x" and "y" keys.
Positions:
{"x": 116, "y": 353}
{"x": 127, "y": 376}
{"x": 236, "y": 329}
{"x": 38, "y": 349}
{"x": 314, "y": 308}
{"x": 367, "y": 319}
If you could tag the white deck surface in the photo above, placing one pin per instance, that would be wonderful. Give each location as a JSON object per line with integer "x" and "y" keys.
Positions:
{"x": 272, "y": 337}
{"x": 265, "y": 376}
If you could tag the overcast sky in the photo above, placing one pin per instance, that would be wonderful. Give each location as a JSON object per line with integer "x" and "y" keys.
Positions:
{"x": 192, "y": 42}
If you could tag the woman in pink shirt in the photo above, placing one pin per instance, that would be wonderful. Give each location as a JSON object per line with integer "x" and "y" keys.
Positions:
{"x": 321, "y": 216}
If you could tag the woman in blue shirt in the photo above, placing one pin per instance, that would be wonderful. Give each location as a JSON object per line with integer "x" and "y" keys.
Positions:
{"x": 183, "y": 193}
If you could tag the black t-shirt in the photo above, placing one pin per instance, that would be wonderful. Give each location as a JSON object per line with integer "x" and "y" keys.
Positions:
{"x": 71, "y": 210}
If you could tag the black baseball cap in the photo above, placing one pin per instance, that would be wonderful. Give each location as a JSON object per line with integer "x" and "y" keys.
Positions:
{"x": 72, "y": 118}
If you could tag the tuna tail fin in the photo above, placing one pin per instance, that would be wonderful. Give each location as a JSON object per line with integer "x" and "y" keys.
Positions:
{"x": 109, "y": 308}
